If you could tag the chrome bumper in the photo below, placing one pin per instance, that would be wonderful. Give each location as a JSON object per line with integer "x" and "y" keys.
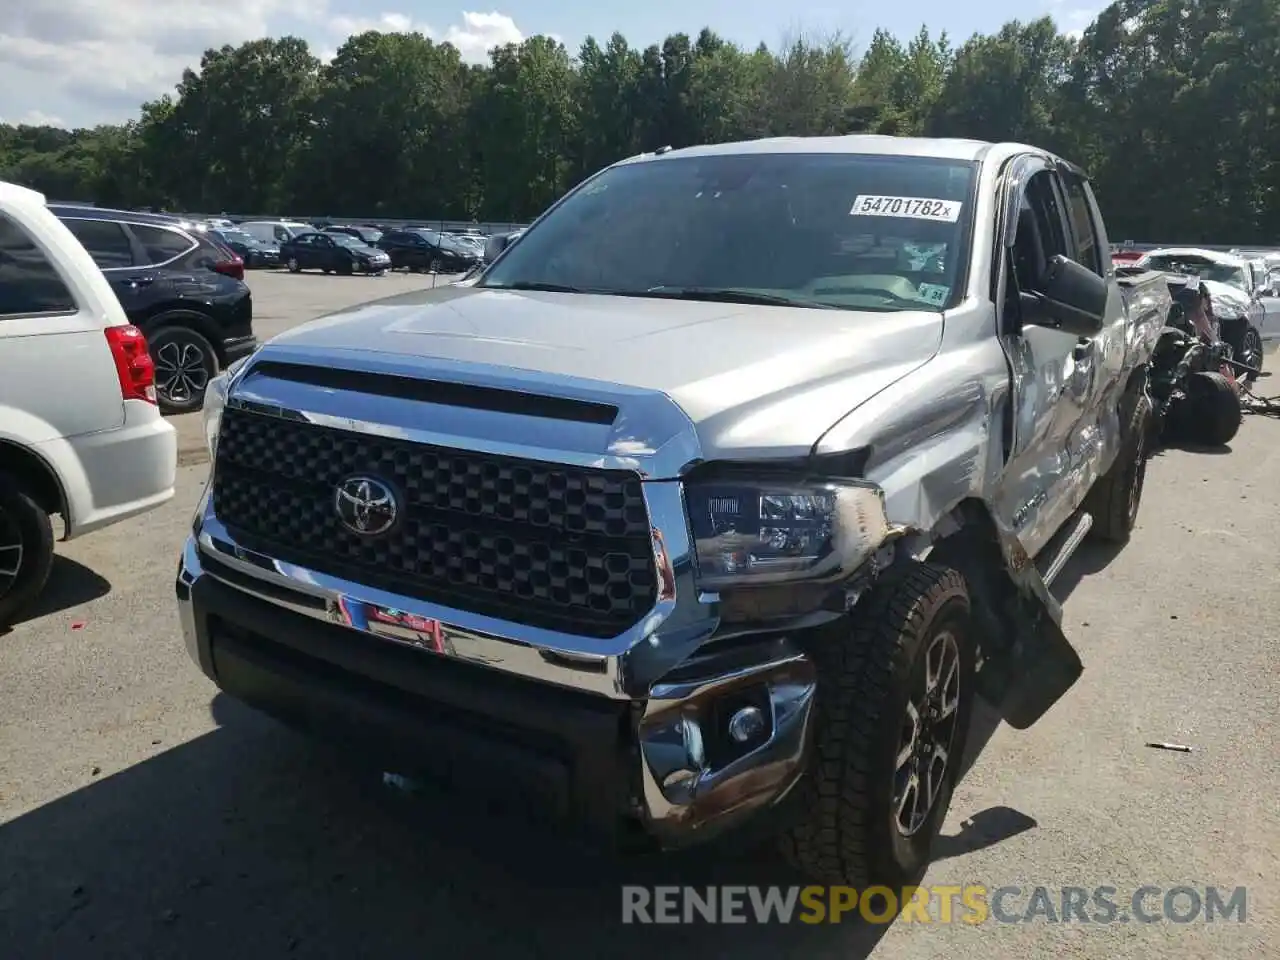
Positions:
{"x": 680, "y": 785}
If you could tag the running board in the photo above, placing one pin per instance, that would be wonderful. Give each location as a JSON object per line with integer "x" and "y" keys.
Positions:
{"x": 1069, "y": 539}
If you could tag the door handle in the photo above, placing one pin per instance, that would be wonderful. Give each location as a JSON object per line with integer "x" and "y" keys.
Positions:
{"x": 140, "y": 281}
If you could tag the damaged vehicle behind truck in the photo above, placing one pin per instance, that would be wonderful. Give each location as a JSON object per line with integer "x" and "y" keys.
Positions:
{"x": 713, "y": 502}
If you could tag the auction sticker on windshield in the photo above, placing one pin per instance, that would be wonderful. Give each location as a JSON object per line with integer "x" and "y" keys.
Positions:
{"x": 909, "y": 208}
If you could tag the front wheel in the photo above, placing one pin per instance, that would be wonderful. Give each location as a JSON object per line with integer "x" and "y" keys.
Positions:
{"x": 293, "y": 265}
{"x": 434, "y": 266}
{"x": 1250, "y": 353}
{"x": 185, "y": 363}
{"x": 895, "y": 693}
{"x": 26, "y": 550}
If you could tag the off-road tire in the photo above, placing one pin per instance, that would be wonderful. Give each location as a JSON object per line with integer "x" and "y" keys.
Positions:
{"x": 18, "y": 510}
{"x": 845, "y": 831}
{"x": 1116, "y": 497}
{"x": 1210, "y": 413}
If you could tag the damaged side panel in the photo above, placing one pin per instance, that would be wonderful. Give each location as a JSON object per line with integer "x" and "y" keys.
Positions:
{"x": 939, "y": 448}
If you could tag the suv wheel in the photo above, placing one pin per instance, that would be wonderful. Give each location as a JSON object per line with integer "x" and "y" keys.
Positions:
{"x": 185, "y": 363}
{"x": 26, "y": 550}
{"x": 895, "y": 691}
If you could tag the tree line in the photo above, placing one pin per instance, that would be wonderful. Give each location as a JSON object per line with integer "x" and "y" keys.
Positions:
{"x": 1171, "y": 105}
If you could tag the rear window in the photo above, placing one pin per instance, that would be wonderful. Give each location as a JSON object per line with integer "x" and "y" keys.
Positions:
{"x": 105, "y": 240}
{"x": 162, "y": 245}
{"x": 29, "y": 283}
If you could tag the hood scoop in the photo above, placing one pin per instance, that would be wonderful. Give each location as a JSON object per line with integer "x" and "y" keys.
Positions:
{"x": 442, "y": 392}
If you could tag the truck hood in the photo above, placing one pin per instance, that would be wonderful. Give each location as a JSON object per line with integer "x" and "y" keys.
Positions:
{"x": 754, "y": 381}
{"x": 1224, "y": 294}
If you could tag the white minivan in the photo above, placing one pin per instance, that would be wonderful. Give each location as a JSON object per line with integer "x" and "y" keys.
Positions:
{"x": 274, "y": 231}
{"x": 80, "y": 433}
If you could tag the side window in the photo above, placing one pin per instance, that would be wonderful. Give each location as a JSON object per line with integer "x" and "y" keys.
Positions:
{"x": 1088, "y": 253}
{"x": 1041, "y": 232}
{"x": 281, "y": 234}
{"x": 1043, "y": 198}
{"x": 106, "y": 242}
{"x": 29, "y": 283}
{"x": 161, "y": 245}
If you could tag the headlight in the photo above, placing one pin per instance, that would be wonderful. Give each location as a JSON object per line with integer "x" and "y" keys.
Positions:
{"x": 215, "y": 399}
{"x": 771, "y": 532}
{"x": 1227, "y": 310}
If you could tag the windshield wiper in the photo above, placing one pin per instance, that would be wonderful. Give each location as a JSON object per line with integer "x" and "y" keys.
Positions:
{"x": 536, "y": 287}
{"x": 886, "y": 295}
{"x": 724, "y": 295}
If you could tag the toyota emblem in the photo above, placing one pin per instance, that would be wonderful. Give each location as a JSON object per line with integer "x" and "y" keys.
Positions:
{"x": 365, "y": 506}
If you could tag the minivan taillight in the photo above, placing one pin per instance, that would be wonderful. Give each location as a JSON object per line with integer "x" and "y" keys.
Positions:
{"x": 233, "y": 267}
{"x": 134, "y": 366}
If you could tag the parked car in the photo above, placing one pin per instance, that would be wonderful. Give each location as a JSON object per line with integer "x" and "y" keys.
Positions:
{"x": 666, "y": 537}
{"x": 428, "y": 250}
{"x": 181, "y": 287}
{"x": 275, "y": 231}
{"x": 367, "y": 235}
{"x": 1233, "y": 288}
{"x": 332, "y": 253}
{"x": 256, "y": 254}
{"x": 80, "y": 434}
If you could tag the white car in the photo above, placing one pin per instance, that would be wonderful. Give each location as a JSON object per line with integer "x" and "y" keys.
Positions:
{"x": 80, "y": 433}
{"x": 1233, "y": 289}
{"x": 275, "y": 231}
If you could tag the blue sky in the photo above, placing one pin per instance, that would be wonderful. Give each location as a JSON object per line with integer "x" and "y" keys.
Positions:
{"x": 82, "y": 62}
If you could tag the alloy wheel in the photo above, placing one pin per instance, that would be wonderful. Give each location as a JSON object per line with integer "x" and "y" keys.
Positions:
{"x": 1251, "y": 350}
{"x": 181, "y": 371}
{"x": 928, "y": 732}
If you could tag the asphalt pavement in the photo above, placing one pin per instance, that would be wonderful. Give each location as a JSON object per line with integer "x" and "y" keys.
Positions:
{"x": 141, "y": 814}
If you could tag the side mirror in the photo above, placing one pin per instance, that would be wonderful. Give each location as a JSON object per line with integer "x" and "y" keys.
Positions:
{"x": 1073, "y": 297}
{"x": 495, "y": 245}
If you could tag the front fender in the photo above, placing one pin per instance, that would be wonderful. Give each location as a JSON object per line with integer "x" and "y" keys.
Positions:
{"x": 1028, "y": 663}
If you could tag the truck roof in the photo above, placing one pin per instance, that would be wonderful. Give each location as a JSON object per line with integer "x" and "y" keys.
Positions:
{"x": 859, "y": 143}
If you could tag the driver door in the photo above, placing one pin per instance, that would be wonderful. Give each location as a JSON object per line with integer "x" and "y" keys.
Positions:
{"x": 1053, "y": 373}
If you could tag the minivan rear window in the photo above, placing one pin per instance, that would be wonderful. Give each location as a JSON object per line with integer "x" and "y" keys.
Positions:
{"x": 29, "y": 284}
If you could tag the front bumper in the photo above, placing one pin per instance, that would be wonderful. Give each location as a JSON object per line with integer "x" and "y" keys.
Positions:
{"x": 235, "y": 348}
{"x": 426, "y": 695}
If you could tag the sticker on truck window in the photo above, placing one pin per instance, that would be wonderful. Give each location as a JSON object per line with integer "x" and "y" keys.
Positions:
{"x": 907, "y": 208}
{"x": 935, "y": 293}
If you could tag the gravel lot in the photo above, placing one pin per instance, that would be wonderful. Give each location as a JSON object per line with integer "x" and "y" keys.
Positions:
{"x": 142, "y": 815}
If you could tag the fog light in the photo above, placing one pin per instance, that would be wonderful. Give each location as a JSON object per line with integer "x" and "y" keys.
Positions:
{"x": 746, "y": 725}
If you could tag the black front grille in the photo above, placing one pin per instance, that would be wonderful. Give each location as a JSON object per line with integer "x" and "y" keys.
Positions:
{"x": 561, "y": 547}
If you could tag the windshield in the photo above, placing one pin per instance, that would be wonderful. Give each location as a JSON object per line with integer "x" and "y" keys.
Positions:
{"x": 236, "y": 236}
{"x": 819, "y": 230}
{"x": 346, "y": 240}
{"x": 1200, "y": 267}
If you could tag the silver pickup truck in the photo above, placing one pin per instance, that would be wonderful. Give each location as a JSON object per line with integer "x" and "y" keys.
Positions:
{"x": 716, "y": 499}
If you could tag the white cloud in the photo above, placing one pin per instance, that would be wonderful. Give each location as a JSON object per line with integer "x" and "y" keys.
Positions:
{"x": 474, "y": 37}
{"x": 1072, "y": 19}
{"x": 97, "y": 61}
